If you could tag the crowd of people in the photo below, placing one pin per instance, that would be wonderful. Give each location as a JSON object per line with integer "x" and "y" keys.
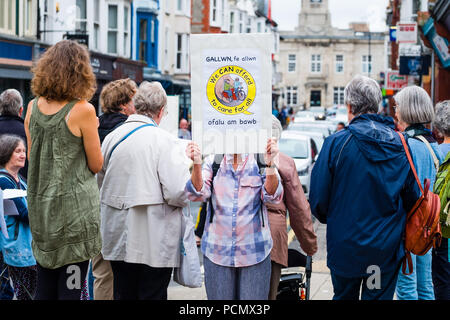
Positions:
{"x": 105, "y": 196}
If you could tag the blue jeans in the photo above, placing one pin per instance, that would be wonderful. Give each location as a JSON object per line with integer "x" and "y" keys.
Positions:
{"x": 419, "y": 284}
{"x": 91, "y": 280}
{"x": 441, "y": 271}
{"x": 350, "y": 288}
{"x": 237, "y": 283}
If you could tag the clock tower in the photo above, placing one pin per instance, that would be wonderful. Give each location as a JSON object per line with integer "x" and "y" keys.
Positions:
{"x": 314, "y": 17}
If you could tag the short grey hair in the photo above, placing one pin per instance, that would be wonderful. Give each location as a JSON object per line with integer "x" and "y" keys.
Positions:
{"x": 363, "y": 94}
{"x": 150, "y": 98}
{"x": 276, "y": 128}
{"x": 414, "y": 105}
{"x": 10, "y": 102}
{"x": 442, "y": 118}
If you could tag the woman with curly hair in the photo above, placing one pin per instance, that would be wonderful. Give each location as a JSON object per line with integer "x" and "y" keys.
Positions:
{"x": 64, "y": 155}
{"x": 116, "y": 100}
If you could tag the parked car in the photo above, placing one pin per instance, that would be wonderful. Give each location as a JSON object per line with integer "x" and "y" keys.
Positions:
{"x": 319, "y": 113}
{"x": 318, "y": 137}
{"x": 303, "y": 116}
{"x": 340, "y": 116}
{"x": 315, "y": 126}
{"x": 304, "y": 152}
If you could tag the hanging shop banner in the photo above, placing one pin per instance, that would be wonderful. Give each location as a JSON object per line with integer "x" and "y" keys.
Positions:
{"x": 231, "y": 85}
{"x": 395, "y": 81}
{"x": 407, "y": 32}
{"x": 409, "y": 50}
{"x": 440, "y": 44}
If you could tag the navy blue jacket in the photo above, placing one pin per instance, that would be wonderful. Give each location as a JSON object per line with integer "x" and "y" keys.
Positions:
{"x": 362, "y": 188}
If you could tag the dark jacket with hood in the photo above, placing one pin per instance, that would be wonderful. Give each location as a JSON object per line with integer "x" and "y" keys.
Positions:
{"x": 362, "y": 188}
{"x": 108, "y": 122}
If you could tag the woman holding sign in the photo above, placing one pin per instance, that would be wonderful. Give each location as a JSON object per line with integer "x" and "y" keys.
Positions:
{"x": 236, "y": 243}
{"x": 16, "y": 248}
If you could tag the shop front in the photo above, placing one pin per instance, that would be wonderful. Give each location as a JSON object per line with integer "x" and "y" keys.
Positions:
{"x": 16, "y": 60}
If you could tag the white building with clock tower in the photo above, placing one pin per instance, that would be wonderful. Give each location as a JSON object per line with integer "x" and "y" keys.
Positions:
{"x": 317, "y": 60}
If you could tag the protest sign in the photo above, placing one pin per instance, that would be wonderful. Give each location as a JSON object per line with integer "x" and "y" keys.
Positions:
{"x": 231, "y": 85}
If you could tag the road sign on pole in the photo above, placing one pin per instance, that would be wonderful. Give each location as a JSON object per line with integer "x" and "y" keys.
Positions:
{"x": 395, "y": 81}
{"x": 406, "y": 33}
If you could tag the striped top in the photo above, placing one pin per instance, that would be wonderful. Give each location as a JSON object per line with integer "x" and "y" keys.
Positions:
{"x": 236, "y": 236}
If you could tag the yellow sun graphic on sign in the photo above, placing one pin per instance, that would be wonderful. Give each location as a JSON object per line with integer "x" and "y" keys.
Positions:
{"x": 231, "y": 90}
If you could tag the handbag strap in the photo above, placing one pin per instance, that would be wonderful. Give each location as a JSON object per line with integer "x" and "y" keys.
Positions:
{"x": 435, "y": 159}
{"x": 408, "y": 155}
{"x": 127, "y": 135}
{"x": 11, "y": 178}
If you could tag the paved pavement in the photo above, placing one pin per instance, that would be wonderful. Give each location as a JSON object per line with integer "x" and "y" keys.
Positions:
{"x": 321, "y": 286}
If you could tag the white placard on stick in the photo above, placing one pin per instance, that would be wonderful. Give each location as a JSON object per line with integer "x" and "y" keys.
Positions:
{"x": 231, "y": 86}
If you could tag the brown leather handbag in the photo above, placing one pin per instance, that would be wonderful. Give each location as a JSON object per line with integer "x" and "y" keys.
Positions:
{"x": 423, "y": 229}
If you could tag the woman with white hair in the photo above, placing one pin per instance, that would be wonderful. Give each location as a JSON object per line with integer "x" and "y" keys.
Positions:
{"x": 440, "y": 261}
{"x": 142, "y": 195}
{"x": 442, "y": 124}
{"x": 414, "y": 110}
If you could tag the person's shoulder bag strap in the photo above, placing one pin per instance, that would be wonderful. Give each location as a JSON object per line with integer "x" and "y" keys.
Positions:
{"x": 215, "y": 168}
{"x": 407, "y": 258}
{"x": 11, "y": 178}
{"x": 411, "y": 163}
{"x": 435, "y": 159}
{"x": 127, "y": 135}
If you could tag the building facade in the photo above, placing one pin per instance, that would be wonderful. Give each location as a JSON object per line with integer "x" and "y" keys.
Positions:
{"x": 29, "y": 27}
{"x": 19, "y": 44}
{"x": 104, "y": 26}
{"x": 173, "y": 53}
{"x": 317, "y": 61}
{"x": 433, "y": 37}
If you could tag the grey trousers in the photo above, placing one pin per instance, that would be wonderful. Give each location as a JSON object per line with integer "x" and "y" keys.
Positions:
{"x": 237, "y": 283}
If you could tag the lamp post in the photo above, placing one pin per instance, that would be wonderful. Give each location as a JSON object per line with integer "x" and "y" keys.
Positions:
{"x": 369, "y": 67}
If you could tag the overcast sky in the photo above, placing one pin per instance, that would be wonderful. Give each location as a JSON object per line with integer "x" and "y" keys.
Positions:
{"x": 285, "y": 13}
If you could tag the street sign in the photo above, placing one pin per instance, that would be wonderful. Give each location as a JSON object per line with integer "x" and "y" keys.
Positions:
{"x": 395, "y": 81}
{"x": 81, "y": 38}
{"x": 409, "y": 50}
{"x": 407, "y": 32}
{"x": 393, "y": 33}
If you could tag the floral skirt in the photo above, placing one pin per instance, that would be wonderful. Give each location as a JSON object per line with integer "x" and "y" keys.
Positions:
{"x": 24, "y": 280}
